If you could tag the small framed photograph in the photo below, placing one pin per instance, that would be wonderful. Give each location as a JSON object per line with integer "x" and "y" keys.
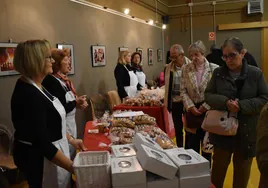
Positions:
{"x": 71, "y": 56}
{"x": 98, "y": 55}
{"x": 150, "y": 56}
{"x": 140, "y": 51}
{"x": 7, "y": 51}
{"x": 159, "y": 55}
{"x": 123, "y": 49}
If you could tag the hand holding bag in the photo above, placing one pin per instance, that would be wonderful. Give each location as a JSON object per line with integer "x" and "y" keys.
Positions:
{"x": 220, "y": 122}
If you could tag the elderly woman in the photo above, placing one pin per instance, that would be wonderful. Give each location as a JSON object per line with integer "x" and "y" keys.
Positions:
{"x": 61, "y": 87}
{"x": 126, "y": 80}
{"x": 173, "y": 100}
{"x": 136, "y": 67}
{"x": 238, "y": 88}
{"x": 40, "y": 142}
{"x": 194, "y": 80}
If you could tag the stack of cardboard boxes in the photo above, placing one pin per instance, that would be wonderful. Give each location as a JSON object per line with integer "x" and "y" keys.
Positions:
{"x": 146, "y": 164}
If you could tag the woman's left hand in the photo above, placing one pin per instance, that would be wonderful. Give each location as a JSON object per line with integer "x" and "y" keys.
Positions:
{"x": 78, "y": 144}
{"x": 202, "y": 109}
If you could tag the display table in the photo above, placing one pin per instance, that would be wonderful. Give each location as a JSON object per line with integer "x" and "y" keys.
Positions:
{"x": 91, "y": 141}
{"x": 160, "y": 113}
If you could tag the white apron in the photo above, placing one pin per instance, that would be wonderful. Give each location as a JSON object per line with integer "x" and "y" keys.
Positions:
{"x": 53, "y": 175}
{"x": 70, "y": 117}
{"x": 141, "y": 78}
{"x": 131, "y": 90}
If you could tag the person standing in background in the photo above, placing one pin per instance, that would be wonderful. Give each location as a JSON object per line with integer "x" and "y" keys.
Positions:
{"x": 136, "y": 67}
{"x": 173, "y": 100}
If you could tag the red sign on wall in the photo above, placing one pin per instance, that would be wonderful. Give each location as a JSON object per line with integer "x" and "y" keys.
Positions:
{"x": 211, "y": 36}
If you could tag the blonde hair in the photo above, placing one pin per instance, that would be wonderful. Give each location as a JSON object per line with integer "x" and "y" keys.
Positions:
{"x": 121, "y": 58}
{"x": 197, "y": 46}
{"x": 178, "y": 48}
{"x": 29, "y": 58}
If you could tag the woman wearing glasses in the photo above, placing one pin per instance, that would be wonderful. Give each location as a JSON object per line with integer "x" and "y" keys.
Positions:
{"x": 173, "y": 100}
{"x": 61, "y": 87}
{"x": 238, "y": 88}
{"x": 40, "y": 142}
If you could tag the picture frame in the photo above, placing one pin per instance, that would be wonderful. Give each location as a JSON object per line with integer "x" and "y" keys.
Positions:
{"x": 7, "y": 51}
{"x": 150, "y": 56}
{"x": 139, "y": 50}
{"x": 159, "y": 55}
{"x": 123, "y": 49}
{"x": 71, "y": 56}
{"x": 98, "y": 54}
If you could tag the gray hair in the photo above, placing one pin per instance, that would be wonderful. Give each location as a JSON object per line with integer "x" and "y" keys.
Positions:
{"x": 178, "y": 48}
{"x": 198, "y": 46}
{"x": 235, "y": 43}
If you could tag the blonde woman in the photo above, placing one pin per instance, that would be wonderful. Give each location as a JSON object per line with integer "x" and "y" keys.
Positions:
{"x": 126, "y": 80}
{"x": 41, "y": 145}
{"x": 194, "y": 80}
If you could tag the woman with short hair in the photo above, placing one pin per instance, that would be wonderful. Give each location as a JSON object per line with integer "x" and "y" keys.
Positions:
{"x": 126, "y": 80}
{"x": 194, "y": 80}
{"x": 237, "y": 88}
{"x": 40, "y": 144}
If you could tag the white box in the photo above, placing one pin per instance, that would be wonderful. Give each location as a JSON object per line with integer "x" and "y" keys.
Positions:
{"x": 189, "y": 162}
{"x": 126, "y": 150}
{"x": 139, "y": 139}
{"x": 127, "y": 172}
{"x": 155, "y": 181}
{"x": 197, "y": 181}
{"x": 157, "y": 162}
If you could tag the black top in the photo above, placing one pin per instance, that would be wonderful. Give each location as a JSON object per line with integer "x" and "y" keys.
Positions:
{"x": 56, "y": 89}
{"x": 35, "y": 119}
{"x": 123, "y": 79}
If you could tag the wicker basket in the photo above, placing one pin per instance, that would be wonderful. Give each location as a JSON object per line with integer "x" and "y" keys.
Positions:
{"x": 93, "y": 169}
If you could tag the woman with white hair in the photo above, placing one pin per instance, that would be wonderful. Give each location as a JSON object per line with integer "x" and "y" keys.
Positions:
{"x": 194, "y": 80}
{"x": 173, "y": 100}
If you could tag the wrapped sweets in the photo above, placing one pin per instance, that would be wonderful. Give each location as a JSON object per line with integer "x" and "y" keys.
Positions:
{"x": 123, "y": 122}
{"x": 144, "y": 120}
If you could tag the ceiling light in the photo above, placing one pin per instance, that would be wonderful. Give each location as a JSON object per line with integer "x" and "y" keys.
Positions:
{"x": 151, "y": 22}
{"x": 126, "y": 11}
{"x": 164, "y": 26}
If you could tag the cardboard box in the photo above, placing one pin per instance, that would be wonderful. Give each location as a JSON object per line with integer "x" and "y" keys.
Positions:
{"x": 127, "y": 172}
{"x": 196, "y": 181}
{"x": 189, "y": 162}
{"x": 126, "y": 150}
{"x": 155, "y": 181}
{"x": 157, "y": 162}
{"x": 139, "y": 139}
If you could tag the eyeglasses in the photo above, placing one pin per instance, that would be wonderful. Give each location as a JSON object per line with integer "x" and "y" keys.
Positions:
{"x": 173, "y": 58}
{"x": 50, "y": 58}
{"x": 230, "y": 56}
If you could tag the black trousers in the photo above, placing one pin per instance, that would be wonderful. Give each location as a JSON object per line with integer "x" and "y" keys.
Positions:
{"x": 177, "y": 111}
{"x": 193, "y": 141}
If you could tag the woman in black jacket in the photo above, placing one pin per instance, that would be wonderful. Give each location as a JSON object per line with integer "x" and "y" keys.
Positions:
{"x": 238, "y": 88}
{"x": 126, "y": 80}
{"x": 39, "y": 120}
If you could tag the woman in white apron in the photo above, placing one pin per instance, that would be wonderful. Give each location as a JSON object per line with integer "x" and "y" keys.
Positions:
{"x": 126, "y": 80}
{"x": 136, "y": 59}
{"x": 39, "y": 119}
{"x": 60, "y": 86}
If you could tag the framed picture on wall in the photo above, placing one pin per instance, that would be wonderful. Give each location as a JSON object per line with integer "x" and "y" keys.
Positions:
{"x": 159, "y": 55}
{"x": 150, "y": 56}
{"x": 98, "y": 56}
{"x": 7, "y": 51}
{"x": 70, "y": 47}
{"x": 123, "y": 49}
{"x": 139, "y": 50}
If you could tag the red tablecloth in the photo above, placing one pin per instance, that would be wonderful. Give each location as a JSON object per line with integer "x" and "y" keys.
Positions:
{"x": 160, "y": 113}
{"x": 91, "y": 141}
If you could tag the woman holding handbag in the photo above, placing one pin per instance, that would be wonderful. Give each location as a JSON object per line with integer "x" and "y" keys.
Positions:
{"x": 238, "y": 88}
{"x": 195, "y": 77}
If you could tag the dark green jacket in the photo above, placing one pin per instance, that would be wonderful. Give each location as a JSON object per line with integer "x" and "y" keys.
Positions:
{"x": 252, "y": 97}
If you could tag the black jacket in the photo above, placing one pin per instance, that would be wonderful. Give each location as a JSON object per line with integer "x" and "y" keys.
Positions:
{"x": 251, "y": 90}
{"x": 122, "y": 79}
{"x": 55, "y": 88}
